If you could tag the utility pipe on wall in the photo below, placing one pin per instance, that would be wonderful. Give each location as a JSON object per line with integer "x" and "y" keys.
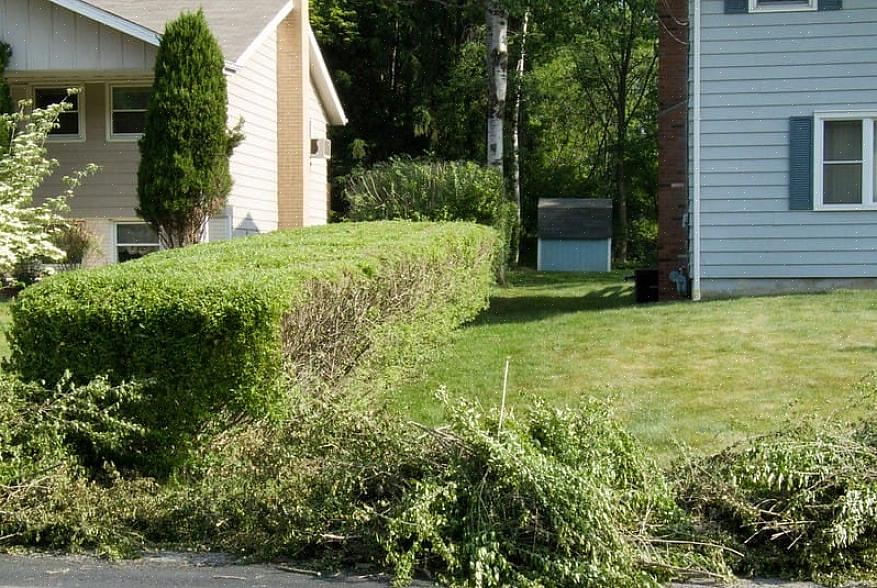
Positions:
{"x": 695, "y": 204}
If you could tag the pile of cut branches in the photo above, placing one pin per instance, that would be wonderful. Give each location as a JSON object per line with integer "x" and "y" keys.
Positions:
{"x": 799, "y": 503}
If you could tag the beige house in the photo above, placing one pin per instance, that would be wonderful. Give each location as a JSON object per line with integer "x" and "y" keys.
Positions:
{"x": 277, "y": 81}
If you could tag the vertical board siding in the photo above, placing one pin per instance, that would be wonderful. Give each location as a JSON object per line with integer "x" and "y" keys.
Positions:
{"x": 316, "y": 210}
{"x": 760, "y": 70}
{"x": 575, "y": 255}
{"x": 252, "y": 94}
{"x": 45, "y": 37}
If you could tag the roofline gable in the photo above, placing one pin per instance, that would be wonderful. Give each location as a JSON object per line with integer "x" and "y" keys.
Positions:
{"x": 264, "y": 33}
{"x": 325, "y": 88}
{"x": 111, "y": 20}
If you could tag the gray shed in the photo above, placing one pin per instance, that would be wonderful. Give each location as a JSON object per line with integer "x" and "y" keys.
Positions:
{"x": 575, "y": 235}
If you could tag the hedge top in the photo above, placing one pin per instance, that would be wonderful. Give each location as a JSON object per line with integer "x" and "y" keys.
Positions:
{"x": 272, "y": 264}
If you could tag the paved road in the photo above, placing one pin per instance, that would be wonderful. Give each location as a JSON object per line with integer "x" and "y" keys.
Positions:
{"x": 182, "y": 571}
{"x": 164, "y": 571}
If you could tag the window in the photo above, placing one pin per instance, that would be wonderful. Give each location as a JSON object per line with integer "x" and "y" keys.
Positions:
{"x": 781, "y": 5}
{"x": 127, "y": 112}
{"x": 844, "y": 177}
{"x": 134, "y": 240}
{"x": 70, "y": 122}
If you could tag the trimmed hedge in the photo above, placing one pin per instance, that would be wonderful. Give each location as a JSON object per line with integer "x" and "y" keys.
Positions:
{"x": 209, "y": 329}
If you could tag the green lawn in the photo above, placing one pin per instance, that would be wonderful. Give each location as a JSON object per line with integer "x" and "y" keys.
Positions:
{"x": 704, "y": 374}
{"x": 4, "y": 322}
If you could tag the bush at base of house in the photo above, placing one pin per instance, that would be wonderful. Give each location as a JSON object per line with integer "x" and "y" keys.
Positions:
{"x": 209, "y": 329}
{"x": 404, "y": 188}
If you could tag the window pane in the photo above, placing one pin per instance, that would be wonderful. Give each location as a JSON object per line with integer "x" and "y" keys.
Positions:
{"x": 842, "y": 183}
{"x": 843, "y": 140}
{"x": 69, "y": 124}
{"x": 44, "y": 97}
{"x": 131, "y": 98}
{"x": 136, "y": 234}
{"x": 128, "y": 122}
{"x": 129, "y": 252}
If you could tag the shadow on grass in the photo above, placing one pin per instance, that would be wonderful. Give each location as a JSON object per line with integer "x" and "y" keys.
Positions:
{"x": 523, "y": 309}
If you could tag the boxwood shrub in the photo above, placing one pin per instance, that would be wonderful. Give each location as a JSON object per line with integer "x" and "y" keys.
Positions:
{"x": 210, "y": 329}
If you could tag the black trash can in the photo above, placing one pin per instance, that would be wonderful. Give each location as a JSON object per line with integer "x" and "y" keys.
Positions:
{"x": 645, "y": 285}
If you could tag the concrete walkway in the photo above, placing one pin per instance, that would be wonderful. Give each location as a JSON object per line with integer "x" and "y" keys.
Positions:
{"x": 200, "y": 571}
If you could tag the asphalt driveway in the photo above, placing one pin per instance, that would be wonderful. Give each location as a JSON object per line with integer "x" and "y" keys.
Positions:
{"x": 200, "y": 571}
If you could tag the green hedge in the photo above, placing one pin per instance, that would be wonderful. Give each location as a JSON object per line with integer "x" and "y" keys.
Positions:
{"x": 209, "y": 329}
{"x": 430, "y": 190}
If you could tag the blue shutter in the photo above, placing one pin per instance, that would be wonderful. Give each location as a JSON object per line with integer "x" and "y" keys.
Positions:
{"x": 736, "y": 6}
{"x": 801, "y": 163}
{"x": 831, "y": 4}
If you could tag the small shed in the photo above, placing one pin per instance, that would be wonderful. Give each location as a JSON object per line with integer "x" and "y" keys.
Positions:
{"x": 575, "y": 235}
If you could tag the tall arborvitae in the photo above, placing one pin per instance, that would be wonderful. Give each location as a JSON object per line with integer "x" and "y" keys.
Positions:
{"x": 184, "y": 169}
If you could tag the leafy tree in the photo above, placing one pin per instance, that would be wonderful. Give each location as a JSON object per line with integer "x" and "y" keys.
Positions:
{"x": 25, "y": 229}
{"x": 414, "y": 79}
{"x": 184, "y": 169}
{"x": 617, "y": 67}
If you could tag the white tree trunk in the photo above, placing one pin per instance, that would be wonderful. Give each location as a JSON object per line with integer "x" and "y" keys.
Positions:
{"x": 497, "y": 79}
{"x": 516, "y": 131}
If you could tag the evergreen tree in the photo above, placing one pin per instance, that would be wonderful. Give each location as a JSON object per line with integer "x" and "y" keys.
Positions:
{"x": 184, "y": 169}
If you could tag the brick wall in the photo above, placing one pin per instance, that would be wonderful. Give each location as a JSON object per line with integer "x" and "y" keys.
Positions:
{"x": 672, "y": 144}
{"x": 293, "y": 140}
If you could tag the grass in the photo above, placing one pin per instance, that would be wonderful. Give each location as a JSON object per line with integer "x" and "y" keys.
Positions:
{"x": 4, "y": 323}
{"x": 704, "y": 374}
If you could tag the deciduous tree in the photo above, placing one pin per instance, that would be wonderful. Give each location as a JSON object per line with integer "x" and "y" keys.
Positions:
{"x": 25, "y": 229}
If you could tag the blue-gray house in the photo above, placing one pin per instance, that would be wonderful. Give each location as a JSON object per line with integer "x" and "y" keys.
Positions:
{"x": 767, "y": 145}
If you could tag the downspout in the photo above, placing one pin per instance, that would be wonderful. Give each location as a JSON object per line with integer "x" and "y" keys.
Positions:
{"x": 696, "y": 192}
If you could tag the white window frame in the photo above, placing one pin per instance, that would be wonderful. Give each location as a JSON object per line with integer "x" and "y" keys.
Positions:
{"x": 869, "y": 193}
{"x": 78, "y": 138}
{"x": 116, "y": 243}
{"x": 802, "y": 6}
{"x": 121, "y": 137}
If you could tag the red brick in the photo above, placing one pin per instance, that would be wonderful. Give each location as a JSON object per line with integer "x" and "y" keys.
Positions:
{"x": 672, "y": 144}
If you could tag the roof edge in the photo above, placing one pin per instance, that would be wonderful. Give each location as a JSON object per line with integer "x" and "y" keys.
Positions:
{"x": 325, "y": 87}
{"x": 111, "y": 20}
{"x": 242, "y": 59}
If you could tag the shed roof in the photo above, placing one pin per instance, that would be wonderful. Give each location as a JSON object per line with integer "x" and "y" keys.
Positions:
{"x": 575, "y": 218}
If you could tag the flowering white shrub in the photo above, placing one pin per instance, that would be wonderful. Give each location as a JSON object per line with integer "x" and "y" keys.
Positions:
{"x": 25, "y": 229}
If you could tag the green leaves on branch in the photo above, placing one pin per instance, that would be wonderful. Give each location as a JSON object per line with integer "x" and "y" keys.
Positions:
{"x": 25, "y": 229}
{"x": 423, "y": 189}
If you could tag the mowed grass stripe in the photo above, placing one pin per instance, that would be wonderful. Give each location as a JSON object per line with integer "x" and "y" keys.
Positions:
{"x": 705, "y": 374}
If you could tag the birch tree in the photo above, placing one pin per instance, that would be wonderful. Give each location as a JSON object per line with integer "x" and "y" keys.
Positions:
{"x": 518, "y": 114}
{"x": 497, "y": 21}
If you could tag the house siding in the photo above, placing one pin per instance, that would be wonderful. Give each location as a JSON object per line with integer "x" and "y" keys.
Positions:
{"x": 316, "y": 211}
{"x": 758, "y": 70}
{"x": 252, "y": 94}
{"x": 110, "y": 193}
{"x": 45, "y": 37}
